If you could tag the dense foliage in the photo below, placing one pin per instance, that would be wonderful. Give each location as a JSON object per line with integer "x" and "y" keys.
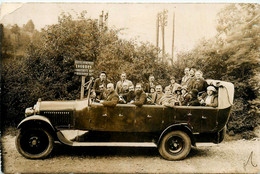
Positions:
{"x": 233, "y": 55}
{"x": 41, "y": 64}
{"x": 46, "y": 69}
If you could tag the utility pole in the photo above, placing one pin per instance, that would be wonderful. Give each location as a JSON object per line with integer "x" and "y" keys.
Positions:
{"x": 173, "y": 31}
{"x": 106, "y": 21}
{"x": 101, "y": 21}
{"x": 157, "y": 31}
{"x": 163, "y": 21}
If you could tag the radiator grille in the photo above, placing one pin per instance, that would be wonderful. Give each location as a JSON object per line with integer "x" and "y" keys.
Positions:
{"x": 59, "y": 118}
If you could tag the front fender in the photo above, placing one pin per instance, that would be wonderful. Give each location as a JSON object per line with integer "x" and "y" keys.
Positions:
{"x": 35, "y": 120}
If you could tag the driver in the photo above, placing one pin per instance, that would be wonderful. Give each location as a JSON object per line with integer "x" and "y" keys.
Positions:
{"x": 112, "y": 98}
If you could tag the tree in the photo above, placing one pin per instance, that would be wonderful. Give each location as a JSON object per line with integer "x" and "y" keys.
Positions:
{"x": 47, "y": 69}
{"x": 233, "y": 55}
{"x": 29, "y": 26}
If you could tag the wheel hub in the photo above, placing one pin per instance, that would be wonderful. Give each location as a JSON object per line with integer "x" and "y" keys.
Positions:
{"x": 34, "y": 141}
{"x": 175, "y": 144}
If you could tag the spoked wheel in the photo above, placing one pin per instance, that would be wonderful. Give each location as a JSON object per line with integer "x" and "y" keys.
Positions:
{"x": 175, "y": 145}
{"x": 34, "y": 143}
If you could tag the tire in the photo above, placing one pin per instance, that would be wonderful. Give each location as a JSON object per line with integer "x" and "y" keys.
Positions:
{"x": 34, "y": 143}
{"x": 175, "y": 145}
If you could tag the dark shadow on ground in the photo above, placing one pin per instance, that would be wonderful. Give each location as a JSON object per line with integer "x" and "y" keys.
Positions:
{"x": 93, "y": 152}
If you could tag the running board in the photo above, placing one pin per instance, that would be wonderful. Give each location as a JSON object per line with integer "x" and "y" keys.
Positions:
{"x": 64, "y": 140}
{"x": 116, "y": 144}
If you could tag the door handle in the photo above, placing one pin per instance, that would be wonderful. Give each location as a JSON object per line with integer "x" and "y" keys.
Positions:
{"x": 203, "y": 117}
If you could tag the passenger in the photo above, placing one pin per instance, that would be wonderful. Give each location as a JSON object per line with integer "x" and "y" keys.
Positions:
{"x": 173, "y": 86}
{"x": 198, "y": 83}
{"x": 186, "y": 77}
{"x": 167, "y": 99}
{"x": 131, "y": 94}
{"x": 112, "y": 98}
{"x": 119, "y": 84}
{"x": 157, "y": 95}
{"x": 150, "y": 84}
{"x": 192, "y": 72}
{"x": 149, "y": 96}
{"x": 178, "y": 96}
{"x": 152, "y": 90}
{"x": 123, "y": 93}
{"x": 193, "y": 99}
{"x": 201, "y": 74}
{"x": 184, "y": 95}
{"x": 103, "y": 93}
{"x": 140, "y": 96}
{"x": 211, "y": 99}
{"x": 102, "y": 80}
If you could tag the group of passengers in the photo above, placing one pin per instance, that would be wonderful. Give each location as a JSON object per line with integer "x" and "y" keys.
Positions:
{"x": 192, "y": 91}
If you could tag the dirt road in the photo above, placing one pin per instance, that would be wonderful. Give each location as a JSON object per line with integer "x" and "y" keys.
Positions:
{"x": 230, "y": 156}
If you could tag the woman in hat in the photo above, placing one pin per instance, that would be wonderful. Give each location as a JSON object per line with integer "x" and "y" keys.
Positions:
{"x": 211, "y": 98}
{"x": 184, "y": 95}
{"x": 178, "y": 96}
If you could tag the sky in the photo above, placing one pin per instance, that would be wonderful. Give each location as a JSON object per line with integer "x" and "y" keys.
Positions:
{"x": 193, "y": 21}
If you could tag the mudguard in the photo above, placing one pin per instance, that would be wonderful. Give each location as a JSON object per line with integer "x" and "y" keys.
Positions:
{"x": 181, "y": 127}
{"x": 35, "y": 119}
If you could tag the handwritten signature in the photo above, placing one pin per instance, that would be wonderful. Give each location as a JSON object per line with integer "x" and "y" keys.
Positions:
{"x": 250, "y": 158}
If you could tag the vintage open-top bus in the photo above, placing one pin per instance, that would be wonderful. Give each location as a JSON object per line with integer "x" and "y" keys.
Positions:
{"x": 172, "y": 129}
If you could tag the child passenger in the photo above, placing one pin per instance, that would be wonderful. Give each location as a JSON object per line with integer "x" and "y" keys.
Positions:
{"x": 167, "y": 99}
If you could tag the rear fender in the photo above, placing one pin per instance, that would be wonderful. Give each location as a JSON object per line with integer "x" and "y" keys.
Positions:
{"x": 37, "y": 121}
{"x": 181, "y": 127}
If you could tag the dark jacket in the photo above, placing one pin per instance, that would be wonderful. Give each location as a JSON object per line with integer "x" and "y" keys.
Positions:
{"x": 123, "y": 94}
{"x": 186, "y": 99}
{"x": 140, "y": 99}
{"x": 97, "y": 83}
{"x": 199, "y": 84}
{"x": 102, "y": 95}
{"x": 112, "y": 99}
{"x": 156, "y": 97}
{"x": 130, "y": 96}
{"x": 194, "y": 102}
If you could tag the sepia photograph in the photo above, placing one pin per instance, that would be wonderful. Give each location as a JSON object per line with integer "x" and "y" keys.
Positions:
{"x": 130, "y": 87}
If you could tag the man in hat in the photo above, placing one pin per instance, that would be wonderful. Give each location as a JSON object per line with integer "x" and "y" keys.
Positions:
{"x": 102, "y": 81}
